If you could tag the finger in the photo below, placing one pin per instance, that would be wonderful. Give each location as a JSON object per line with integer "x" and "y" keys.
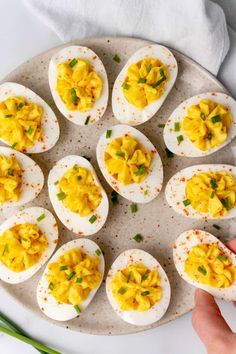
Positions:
{"x": 232, "y": 245}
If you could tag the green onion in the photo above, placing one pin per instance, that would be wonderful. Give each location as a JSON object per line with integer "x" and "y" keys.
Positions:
{"x": 216, "y": 119}
{"x": 203, "y": 116}
{"x": 79, "y": 280}
{"x": 74, "y": 97}
{"x": 133, "y": 208}
{"x": 145, "y": 293}
{"x": 161, "y": 125}
{"x": 79, "y": 178}
{"x": 142, "y": 80}
{"x": 5, "y": 249}
{"x": 149, "y": 68}
{"x": 98, "y": 252}
{"x": 51, "y": 286}
{"x": 128, "y": 277}
{"x": 108, "y": 134}
{"x": 8, "y": 115}
{"x": 222, "y": 257}
{"x": 64, "y": 267}
{"x": 13, "y": 145}
{"x": 213, "y": 183}
{"x": 71, "y": 275}
{"x": 125, "y": 86}
{"x": 73, "y": 62}
{"x": 202, "y": 270}
{"x": 86, "y": 157}
{"x": 161, "y": 71}
{"x": 30, "y": 130}
{"x": 169, "y": 154}
{"x": 41, "y": 217}
{"x": 212, "y": 194}
{"x": 77, "y": 309}
{"x": 140, "y": 171}
{"x": 163, "y": 78}
{"x": 180, "y": 138}
{"x": 144, "y": 276}
{"x": 93, "y": 219}
{"x": 87, "y": 120}
{"x": 186, "y": 202}
{"x": 177, "y": 127}
{"x": 116, "y": 58}
{"x": 145, "y": 192}
{"x": 114, "y": 197}
{"x": 120, "y": 153}
{"x": 55, "y": 183}
{"x": 217, "y": 227}
{"x": 138, "y": 238}
{"x": 20, "y": 105}
{"x": 122, "y": 291}
{"x": 61, "y": 196}
{"x": 227, "y": 204}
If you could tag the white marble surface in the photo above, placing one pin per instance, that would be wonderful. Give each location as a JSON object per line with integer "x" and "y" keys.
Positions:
{"x": 23, "y": 36}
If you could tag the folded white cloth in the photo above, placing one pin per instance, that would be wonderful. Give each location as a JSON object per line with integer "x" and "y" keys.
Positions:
{"x": 196, "y": 28}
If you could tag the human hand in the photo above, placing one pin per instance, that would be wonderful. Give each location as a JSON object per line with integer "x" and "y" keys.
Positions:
{"x": 209, "y": 324}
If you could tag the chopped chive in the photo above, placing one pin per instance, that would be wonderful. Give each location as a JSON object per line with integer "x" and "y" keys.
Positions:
{"x": 13, "y": 145}
{"x": 145, "y": 293}
{"x": 79, "y": 178}
{"x": 108, "y": 134}
{"x": 93, "y": 219}
{"x": 177, "y": 127}
{"x": 202, "y": 270}
{"x": 125, "y": 86}
{"x": 79, "y": 280}
{"x": 98, "y": 252}
{"x": 186, "y": 202}
{"x": 116, "y": 58}
{"x": 161, "y": 125}
{"x": 64, "y": 267}
{"x": 138, "y": 238}
{"x": 180, "y": 138}
{"x": 161, "y": 71}
{"x": 216, "y": 119}
{"x": 209, "y": 136}
{"x": 213, "y": 183}
{"x": 41, "y": 217}
{"x": 74, "y": 97}
{"x": 8, "y": 115}
{"x": 75, "y": 166}
{"x": 56, "y": 183}
{"x": 10, "y": 172}
{"x": 87, "y": 120}
{"x": 120, "y": 153}
{"x": 70, "y": 276}
{"x": 222, "y": 257}
{"x": 169, "y": 154}
{"x": 134, "y": 208}
{"x": 217, "y": 227}
{"x": 122, "y": 291}
{"x": 159, "y": 82}
{"x": 5, "y": 249}
{"x": 145, "y": 192}
{"x": 140, "y": 171}
{"x": 77, "y": 309}
{"x": 144, "y": 276}
{"x": 86, "y": 157}
{"x": 212, "y": 194}
{"x": 149, "y": 68}
{"x": 24, "y": 239}
{"x": 128, "y": 277}
{"x": 73, "y": 62}
{"x": 142, "y": 80}
{"x": 227, "y": 204}
{"x": 203, "y": 116}
{"x": 114, "y": 197}
{"x": 20, "y": 105}
{"x": 61, "y": 196}
{"x": 51, "y": 286}
{"x": 30, "y": 130}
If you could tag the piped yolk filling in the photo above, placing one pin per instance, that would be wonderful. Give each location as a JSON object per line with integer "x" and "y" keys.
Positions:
{"x": 22, "y": 246}
{"x": 78, "y": 85}
{"x": 10, "y": 179}
{"x": 207, "y": 124}
{"x": 78, "y": 191}
{"x": 212, "y": 192}
{"x": 73, "y": 276}
{"x": 145, "y": 82}
{"x": 20, "y": 122}
{"x": 207, "y": 264}
{"x": 127, "y": 160}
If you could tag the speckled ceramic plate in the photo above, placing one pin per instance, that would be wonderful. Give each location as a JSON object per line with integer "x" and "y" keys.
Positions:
{"x": 158, "y": 224}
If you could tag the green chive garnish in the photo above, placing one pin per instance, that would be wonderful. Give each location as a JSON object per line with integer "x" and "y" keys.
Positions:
{"x": 145, "y": 192}
{"x": 108, "y": 134}
{"x": 202, "y": 270}
{"x": 161, "y": 125}
{"x": 217, "y": 227}
{"x": 114, "y": 197}
{"x": 177, "y": 127}
{"x": 93, "y": 219}
{"x": 144, "y": 276}
{"x": 128, "y": 277}
{"x": 56, "y": 183}
{"x": 116, "y": 58}
{"x": 30, "y": 130}
{"x": 73, "y": 62}
{"x": 64, "y": 267}
{"x": 74, "y": 97}
{"x": 203, "y": 116}
{"x": 8, "y": 115}
{"x": 142, "y": 80}
{"x": 216, "y": 119}
{"x": 13, "y": 145}
{"x": 79, "y": 178}
{"x": 122, "y": 291}
{"x": 120, "y": 153}
{"x": 213, "y": 183}
{"x": 138, "y": 238}
{"x": 20, "y": 105}
{"x": 41, "y": 217}
{"x": 98, "y": 252}
{"x": 180, "y": 138}
{"x": 140, "y": 171}
{"x": 158, "y": 82}
{"x": 51, "y": 286}
{"x": 87, "y": 120}
{"x": 133, "y": 207}
{"x": 227, "y": 204}
{"x": 186, "y": 202}
{"x": 149, "y": 68}
{"x": 77, "y": 309}
{"x": 75, "y": 166}
{"x": 145, "y": 293}
{"x": 161, "y": 71}
{"x": 71, "y": 275}
{"x": 5, "y": 249}
{"x": 222, "y": 257}
{"x": 169, "y": 154}
{"x": 61, "y": 196}
{"x": 125, "y": 86}
{"x": 212, "y": 194}
{"x": 79, "y": 280}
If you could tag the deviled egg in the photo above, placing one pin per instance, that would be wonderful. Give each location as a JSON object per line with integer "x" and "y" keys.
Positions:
{"x": 27, "y": 123}
{"x": 27, "y": 240}
{"x": 143, "y": 84}
{"x": 205, "y": 262}
{"x": 79, "y": 85}
{"x": 203, "y": 191}
{"x": 21, "y": 179}
{"x": 201, "y": 125}
{"x": 130, "y": 163}
{"x": 77, "y": 196}
{"x": 138, "y": 288}
{"x": 71, "y": 280}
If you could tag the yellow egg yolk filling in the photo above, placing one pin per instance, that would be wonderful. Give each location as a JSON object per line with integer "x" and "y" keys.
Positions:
{"x": 22, "y": 246}
{"x": 73, "y": 276}
{"x": 78, "y": 85}
{"x": 20, "y": 122}
{"x": 78, "y": 191}
{"x": 212, "y": 192}
{"x": 10, "y": 179}
{"x": 136, "y": 288}
{"x": 127, "y": 160}
{"x": 207, "y": 124}
{"x": 145, "y": 82}
{"x": 207, "y": 264}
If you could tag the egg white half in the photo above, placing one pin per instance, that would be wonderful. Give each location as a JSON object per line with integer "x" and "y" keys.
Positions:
{"x": 47, "y": 303}
{"x": 186, "y": 148}
{"x": 99, "y": 107}
{"x": 123, "y": 110}
{"x": 175, "y": 190}
{"x": 49, "y": 123}
{"x": 136, "y": 191}
{"x": 154, "y": 314}
{"x": 48, "y": 226}
{"x": 73, "y": 221}
{"x": 181, "y": 249}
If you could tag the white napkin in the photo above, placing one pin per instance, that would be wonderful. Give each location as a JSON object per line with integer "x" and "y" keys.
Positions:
{"x": 196, "y": 28}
